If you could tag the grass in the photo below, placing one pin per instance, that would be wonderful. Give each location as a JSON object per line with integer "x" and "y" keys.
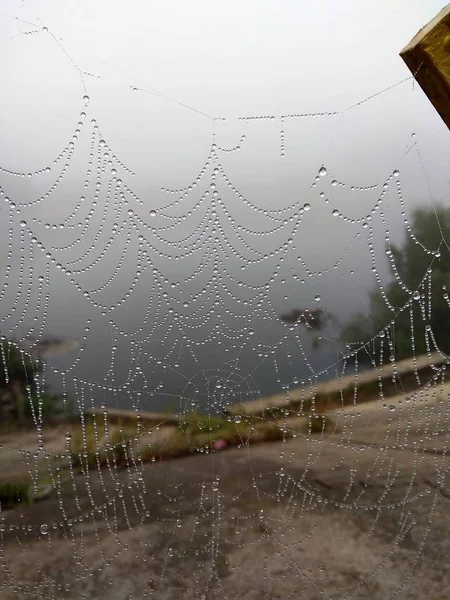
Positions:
{"x": 196, "y": 432}
{"x": 320, "y": 424}
{"x": 272, "y": 432}
{"x": 175, "y": 446}
{"x": 97, "y": 446}
{"x": 196, "y": 423}
{"x": 85, "y": 445}
{"x": 193, "y": 436}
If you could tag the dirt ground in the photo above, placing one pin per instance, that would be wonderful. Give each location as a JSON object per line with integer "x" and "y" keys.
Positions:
{"x": 360, "y": 513}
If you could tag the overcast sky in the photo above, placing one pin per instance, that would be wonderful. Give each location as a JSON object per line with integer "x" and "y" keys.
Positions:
{"x": 166, "y": 80}
{"x": 236, "y": 59}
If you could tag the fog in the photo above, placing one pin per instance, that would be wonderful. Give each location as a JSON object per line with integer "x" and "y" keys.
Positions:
{"x": 266, "y": 93}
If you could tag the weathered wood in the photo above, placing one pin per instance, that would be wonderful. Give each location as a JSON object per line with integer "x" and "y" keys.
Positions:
{"x": 428, "y": 58}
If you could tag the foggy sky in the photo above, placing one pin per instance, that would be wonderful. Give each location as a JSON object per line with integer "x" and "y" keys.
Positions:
{"x": 165, "y": 81}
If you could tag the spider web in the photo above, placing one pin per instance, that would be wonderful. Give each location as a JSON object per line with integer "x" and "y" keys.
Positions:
{"x": 171, "y": 286}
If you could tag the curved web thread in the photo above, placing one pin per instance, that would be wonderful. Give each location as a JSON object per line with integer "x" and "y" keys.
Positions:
{"x": 209, "y": 340}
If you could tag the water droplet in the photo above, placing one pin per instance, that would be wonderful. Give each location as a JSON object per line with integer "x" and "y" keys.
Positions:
{"x": 416, "y": 295}
{"x": 392, "y": 407}
{"x": 23, "y": 223}
{"x": 251, "y": 332}
{"x": 322, "y": 171}
{"x": 44, "y": 529}
{"x": 306, "y": 206}
{"x": 237, "y": 418}
{"x": 153, "y": 213}
{"x": 45, "y": 29}
{"x": 317, "y": 298}
{"x": 396, "y": 173}
{"x": 334, "y": 182}
{"x": 86, "y": 99}
{"x": 335, "y": 212}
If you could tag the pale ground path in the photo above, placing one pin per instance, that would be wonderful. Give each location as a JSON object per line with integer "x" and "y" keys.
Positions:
{"x": 400, "y": 400}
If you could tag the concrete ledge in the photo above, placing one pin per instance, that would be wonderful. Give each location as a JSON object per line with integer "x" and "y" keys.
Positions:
{"x": 341, "y": 391}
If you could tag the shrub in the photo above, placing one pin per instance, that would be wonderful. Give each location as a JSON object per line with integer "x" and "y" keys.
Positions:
{"x": 176, "y": 445}
{"x": 193, "y": 423}
{"x": 119, "y": 442}
{"x": 97, "y": 448}
{"x": 320, "y": 424}
{"x": 84, "y": 448}
{"x": 14, "y": 493}
{"x": 271, "y": 432}
{"x": 193, "y": 435}
{"x": 235, "y": 433}
{"x": 51, "y": 405}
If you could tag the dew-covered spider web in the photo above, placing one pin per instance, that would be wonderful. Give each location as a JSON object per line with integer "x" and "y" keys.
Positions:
{"x": 224, "y": 313}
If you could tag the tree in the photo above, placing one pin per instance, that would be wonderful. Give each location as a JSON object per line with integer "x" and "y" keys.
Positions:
{"x": 17, "y": 370}
{"x": 314, "y": 319}
{"x": 423, "y": 273}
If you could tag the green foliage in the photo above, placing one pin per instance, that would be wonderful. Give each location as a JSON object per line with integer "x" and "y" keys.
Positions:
{"x": 17, "y": 371}
{"x": 95, "y": 448}
{"x": 17, "y": 375}
{"x": 119, "y": 443}
{"x": 195, "y": 422}
{"x": 84, "y": 446}
{"x": 50, "y": 404}
{"x": 14, "y": 493}
{"x": 199, "y": 431}
{"x": 175, "y": 446}
{"x": 18, "y": 365}
{"x": 320, "y": 424}
{"x": 413, "y": 265}
{"x": 271, "y": 432}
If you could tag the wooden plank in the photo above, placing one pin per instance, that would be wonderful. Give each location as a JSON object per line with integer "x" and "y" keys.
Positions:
{"x": 428, "y": 58}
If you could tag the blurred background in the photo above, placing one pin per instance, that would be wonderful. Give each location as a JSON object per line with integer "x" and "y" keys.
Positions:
{"x": 174, "y": 178}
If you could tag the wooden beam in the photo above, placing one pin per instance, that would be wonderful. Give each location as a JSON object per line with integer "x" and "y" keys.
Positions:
{"x": 428, "y": 58}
